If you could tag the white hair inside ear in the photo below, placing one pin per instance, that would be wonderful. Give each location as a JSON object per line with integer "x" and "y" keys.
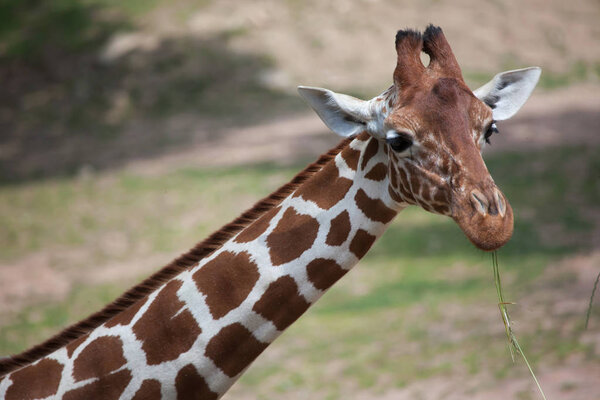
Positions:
{"x": 508, "y": 91}
{"x": 345, "y": 115}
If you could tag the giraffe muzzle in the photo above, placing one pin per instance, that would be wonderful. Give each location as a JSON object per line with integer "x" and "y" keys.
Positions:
{"x": 485, "y": 217}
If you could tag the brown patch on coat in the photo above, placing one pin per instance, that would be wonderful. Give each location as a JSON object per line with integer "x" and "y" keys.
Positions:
{"x": 351, "y": 156}
{"x": 326, "y": 188}
{"x": 71, "y": 347}
{"x": 190, "y": 385}
{"x": 126, "y": 316}
{"x": 378, "y": 172}
{"x": 415, "y": 185}
{"x": 226, "y": 281}
{"x": 361, "y": 243}
{"x": 165, "y": 331}
{"x": 404, "y": 181}
{"x": 99, "y": 358}
{"x": 233, "y": 349}
{"x": 374, "y": 209}
{"x": 370, "y": 151}
{"x": 109, "y": 387}
{"x": 150, "y": 390}
{"x": 394, "y": 195}
{"x": 294, "y": 234}
{"x": 394, "y": 177}
{"x": 442, "y": 209}
{"x": 281, "y": 303}
{"x": 323, "y": 273}
{"x": 440, "y": 197}
{"x": 340, "y": 229}
{"x": 35, "y": 381}
{"x": 257, "y": 228}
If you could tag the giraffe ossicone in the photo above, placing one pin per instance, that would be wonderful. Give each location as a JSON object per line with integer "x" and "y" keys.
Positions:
{"x": 190, "y": 330}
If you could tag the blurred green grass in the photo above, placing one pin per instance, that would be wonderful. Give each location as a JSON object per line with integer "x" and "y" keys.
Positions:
{"x": 72, "y": 211}
{"x": 394, "y": 319}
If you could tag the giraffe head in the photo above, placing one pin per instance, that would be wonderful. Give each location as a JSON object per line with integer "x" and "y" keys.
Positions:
{"x": 434, "y": 128}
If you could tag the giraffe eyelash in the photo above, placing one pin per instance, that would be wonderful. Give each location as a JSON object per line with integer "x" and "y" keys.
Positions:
{"x": 490, "y": 131}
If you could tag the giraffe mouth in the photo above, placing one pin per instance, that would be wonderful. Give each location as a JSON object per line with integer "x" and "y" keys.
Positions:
{"x": 486, "y": 219}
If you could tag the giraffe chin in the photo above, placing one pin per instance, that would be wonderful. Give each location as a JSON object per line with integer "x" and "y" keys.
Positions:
{"x": 486, "y": 232}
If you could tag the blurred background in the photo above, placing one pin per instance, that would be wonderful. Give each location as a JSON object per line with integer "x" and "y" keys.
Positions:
{"x": 130, "y": 129}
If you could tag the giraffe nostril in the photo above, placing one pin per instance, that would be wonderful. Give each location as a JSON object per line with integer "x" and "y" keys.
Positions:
{"x": 479, "y": 202}
{"x": 500, "y": 203}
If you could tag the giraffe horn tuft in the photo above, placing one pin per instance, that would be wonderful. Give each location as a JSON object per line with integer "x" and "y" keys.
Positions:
{"x": 409, "y": 67}
{"x": 442, "y": 60}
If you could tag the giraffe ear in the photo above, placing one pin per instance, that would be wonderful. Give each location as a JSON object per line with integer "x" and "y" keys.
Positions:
{"x": 508, "y": 91}
{"x": 345, "y": 115}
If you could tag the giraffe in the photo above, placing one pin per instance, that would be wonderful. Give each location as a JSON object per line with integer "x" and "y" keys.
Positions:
{"x": 190, "y": 330}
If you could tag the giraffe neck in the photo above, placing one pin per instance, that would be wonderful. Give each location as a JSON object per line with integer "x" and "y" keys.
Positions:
{"x": 200, "y": 330}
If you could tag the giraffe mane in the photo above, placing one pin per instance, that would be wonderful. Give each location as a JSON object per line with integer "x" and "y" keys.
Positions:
{"x": 150, "y": 284}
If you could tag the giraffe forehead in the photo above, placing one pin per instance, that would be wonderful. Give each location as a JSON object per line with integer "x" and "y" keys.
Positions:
{"x": 437, "y": 105}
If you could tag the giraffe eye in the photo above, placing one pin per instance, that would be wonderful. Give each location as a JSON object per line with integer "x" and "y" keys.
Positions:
{"x": 490, "y": 131}
{"x": 399, "y": 142}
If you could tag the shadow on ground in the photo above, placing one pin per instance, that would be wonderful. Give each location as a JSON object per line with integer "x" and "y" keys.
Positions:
{"x": 72, "y": 101}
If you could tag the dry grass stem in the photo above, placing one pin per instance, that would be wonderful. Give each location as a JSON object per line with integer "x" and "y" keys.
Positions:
{"x": 513, "y": 344}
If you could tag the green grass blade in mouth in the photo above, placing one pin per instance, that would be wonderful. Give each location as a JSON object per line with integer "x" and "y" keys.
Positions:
{"x": 513, "y": 344}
